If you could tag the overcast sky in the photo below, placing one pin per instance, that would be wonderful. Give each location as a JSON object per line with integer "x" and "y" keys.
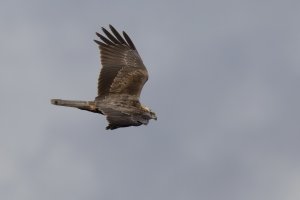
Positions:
{"x": 224, "y": 83}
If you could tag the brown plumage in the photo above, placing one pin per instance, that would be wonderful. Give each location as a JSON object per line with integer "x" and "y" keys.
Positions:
{"x": 120, "y": 83}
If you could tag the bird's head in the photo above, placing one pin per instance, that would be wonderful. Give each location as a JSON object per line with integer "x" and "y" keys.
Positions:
{"x": 153, "y": 115}
{"x": 150, "y": 113}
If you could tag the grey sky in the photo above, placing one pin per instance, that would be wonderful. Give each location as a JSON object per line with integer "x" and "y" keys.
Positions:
{"x": 224, "y": 82}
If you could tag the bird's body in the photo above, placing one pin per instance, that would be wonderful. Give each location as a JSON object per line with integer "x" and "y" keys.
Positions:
{"x": 120, "y": 83}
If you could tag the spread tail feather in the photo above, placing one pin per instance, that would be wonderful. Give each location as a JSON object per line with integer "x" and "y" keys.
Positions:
{"x": 83, "y": 105}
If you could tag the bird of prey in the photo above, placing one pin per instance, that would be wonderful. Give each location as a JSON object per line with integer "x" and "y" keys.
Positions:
{"x": 120, "y": 83}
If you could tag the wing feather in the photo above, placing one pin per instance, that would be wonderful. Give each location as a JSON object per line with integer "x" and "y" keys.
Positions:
{"x": 130, "y": 43}
{"x": 110, "y": 36}
{"x": 117, "y": 119}
{"x": 99, "y": 43}
{"x": 123, "y": 71}
{"x": 116, "y": 33}
{"x": 104, "y": 39}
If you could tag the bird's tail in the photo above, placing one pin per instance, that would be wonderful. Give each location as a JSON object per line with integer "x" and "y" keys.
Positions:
{"x": 83, "y": 105}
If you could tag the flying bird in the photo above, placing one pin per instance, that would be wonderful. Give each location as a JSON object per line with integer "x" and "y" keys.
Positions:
{"x": 120, "y": 83}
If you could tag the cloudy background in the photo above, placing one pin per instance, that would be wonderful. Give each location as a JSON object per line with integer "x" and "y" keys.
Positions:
{"x": 224, "y": 82}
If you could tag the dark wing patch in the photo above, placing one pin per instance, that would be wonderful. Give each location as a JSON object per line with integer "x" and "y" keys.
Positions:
{"x": 123, "y": 71}
{"x": 117, "y": 119}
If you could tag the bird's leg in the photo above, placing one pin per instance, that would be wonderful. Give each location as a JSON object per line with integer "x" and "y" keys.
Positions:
{"x": 83, "y": 105}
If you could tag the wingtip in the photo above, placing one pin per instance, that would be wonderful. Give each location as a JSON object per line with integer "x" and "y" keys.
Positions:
{"x": 103, "y": 29}
{"x": 99, "y": 43}
{"x": 129, "y": 41}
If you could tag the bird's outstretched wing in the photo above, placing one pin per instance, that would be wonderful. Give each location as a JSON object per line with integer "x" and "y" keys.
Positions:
{"x": 123, "y": 71}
